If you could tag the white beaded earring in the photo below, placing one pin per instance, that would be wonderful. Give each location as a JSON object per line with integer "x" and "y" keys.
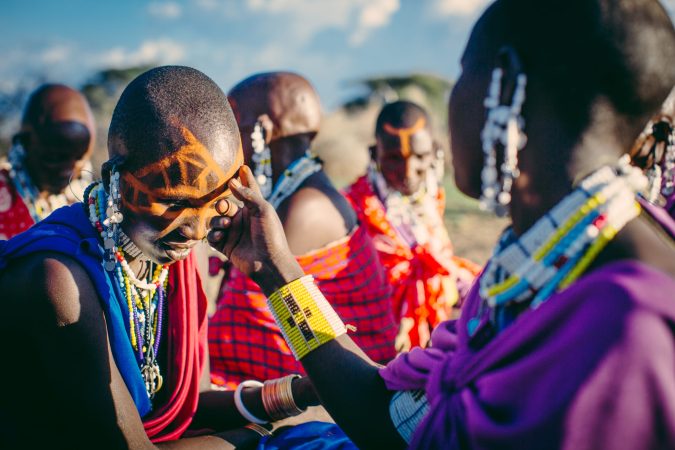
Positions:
{"x": 503, "y": 127}
{"x": 669, "y": 164}
{"x": 262, "y": 160}
{"x": 113, "y": 218}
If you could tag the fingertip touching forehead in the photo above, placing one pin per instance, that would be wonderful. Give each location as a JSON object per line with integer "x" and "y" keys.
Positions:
{"x": 288, "y": 99}
{"x": 170, "y": 110}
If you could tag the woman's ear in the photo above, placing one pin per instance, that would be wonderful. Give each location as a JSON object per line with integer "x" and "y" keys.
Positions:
{"x": 267, "y": 126}
{"x": 107, "y": 167}
{"x": 509, "y": 61}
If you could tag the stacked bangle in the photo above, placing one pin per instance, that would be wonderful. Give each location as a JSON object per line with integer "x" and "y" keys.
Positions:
{"x": 239, "y": 403}
{"x": 304, "y": 316}
{"x": 277, "y": 397}
{"x": 262, "y": 431}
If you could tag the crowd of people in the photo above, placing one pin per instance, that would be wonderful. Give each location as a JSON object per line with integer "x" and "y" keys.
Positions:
{"x": 563, "y": 118}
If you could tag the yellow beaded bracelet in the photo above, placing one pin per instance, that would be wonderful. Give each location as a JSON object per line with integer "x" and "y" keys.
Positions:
{"x": 304, "y": 316}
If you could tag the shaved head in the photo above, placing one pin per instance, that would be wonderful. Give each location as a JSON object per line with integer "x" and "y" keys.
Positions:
{"x": 163, "y": 110}
{"x": 404, "y": 148}
{"x": 52, "y": 104}
{"x": 57, "y": 134}
{"x": 621, "y": 51}
{"x": 289, "y": 101}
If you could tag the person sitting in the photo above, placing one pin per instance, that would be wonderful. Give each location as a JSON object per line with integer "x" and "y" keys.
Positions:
{"x": 106, "y": 298}
{"x": 49, "y": 159}
{"x": 401, "y": 201}
{"x": 279, "y": 114}
{"x": 566, "y": 338}
{"x": 654, "y": 152}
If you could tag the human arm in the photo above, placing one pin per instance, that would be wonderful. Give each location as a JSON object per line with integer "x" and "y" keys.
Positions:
{"x": 67, "y": 327}
{"x": 346, "y": 380}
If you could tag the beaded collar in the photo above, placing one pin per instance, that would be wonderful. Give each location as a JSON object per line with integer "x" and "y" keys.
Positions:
{"x": 40, "y": 207}
{"x": 415, "y": 217}
{"x": 294, "y": 175}
{"x": 144, "y": 298}
{"x": 557, "y": 249}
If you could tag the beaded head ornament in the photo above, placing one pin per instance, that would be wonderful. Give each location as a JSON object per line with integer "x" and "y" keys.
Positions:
{"x": 503, "y": 129}
{"x": 262, "y": 160}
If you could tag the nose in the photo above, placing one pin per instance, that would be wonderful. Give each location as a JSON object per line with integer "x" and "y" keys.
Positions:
{"x": 194, "y": 228}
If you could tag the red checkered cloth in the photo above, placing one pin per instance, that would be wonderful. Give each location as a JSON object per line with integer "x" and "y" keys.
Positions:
{"x": 245, "y": 342}
{"x": 14, "y": 214}
{"x": 426, "y": 284}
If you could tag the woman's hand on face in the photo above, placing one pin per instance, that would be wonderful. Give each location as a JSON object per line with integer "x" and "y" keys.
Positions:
{"x": 253, "y": 238}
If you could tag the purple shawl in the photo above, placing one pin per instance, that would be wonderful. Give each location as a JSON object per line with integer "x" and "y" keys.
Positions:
{"x": 591, "y": 368}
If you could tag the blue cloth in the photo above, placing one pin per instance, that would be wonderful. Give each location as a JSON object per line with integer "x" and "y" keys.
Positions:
{"x": 308, "y": 436}
{"x": 67, "y": 231}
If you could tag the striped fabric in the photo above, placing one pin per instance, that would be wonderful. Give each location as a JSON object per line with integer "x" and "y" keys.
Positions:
{"x": 407, "y": 409}
{"x": 245, "y": 342}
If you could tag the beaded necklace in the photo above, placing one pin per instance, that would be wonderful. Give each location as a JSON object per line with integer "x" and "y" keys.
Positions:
{"x": 40, "y": 207}
{"x": 556, "y": 250}
{"x": 415, "y": 217}
{"x": 294, "y": 175}
{"x": 144, "y": 298}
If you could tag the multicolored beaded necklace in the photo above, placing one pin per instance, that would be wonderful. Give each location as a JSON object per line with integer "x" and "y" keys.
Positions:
{"x": 144, "y": 298}
{"x": 557, "y": 249}
{"x": 293, "y": 177}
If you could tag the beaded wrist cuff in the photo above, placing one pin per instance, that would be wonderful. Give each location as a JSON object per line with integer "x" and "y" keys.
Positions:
{"x": 304, "y": 316}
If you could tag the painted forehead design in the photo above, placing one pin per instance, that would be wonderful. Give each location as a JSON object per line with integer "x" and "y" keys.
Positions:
{"x": 190, "y": 172}
{"x": 405, "y": 134}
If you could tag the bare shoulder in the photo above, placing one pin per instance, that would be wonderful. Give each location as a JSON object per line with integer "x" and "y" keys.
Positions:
{"x": 312, "y": 220}
{"x": 53, "y": 287}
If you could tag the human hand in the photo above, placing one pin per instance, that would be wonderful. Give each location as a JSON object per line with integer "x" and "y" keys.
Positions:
{"x": 253, "y": 238}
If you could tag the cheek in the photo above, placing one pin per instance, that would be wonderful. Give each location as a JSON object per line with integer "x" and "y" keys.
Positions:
{"x": 466, "y": 119}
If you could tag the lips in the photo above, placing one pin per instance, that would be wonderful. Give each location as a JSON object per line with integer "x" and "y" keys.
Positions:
{"x": 178, "y": 250}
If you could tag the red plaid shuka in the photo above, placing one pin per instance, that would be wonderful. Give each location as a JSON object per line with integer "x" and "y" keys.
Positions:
{"x": 14, "y": 214}
{"x": 246, "y": 343}
{"x": 426, "y": 284}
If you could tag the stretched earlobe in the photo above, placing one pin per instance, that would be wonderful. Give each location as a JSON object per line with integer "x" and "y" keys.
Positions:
{"x": 503, "y": 132}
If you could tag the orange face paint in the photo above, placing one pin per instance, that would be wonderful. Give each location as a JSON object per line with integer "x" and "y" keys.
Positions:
{"x": 405, "y": 134}
{"x": 189, "y": 176}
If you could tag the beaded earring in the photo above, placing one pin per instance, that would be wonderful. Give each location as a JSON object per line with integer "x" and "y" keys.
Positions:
{"x": 503, "y": 127}
{"x": 660, "y": 172}
{"x": 113, "y": 218}
{"x": 262, "y": 160}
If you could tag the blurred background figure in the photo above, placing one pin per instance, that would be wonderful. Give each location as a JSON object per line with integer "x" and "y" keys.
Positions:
{"x": 279, "y": 114}
{"x": 401, "y": 202}
{"x": 654, "y": 152}
{"x": 48, "y": 163}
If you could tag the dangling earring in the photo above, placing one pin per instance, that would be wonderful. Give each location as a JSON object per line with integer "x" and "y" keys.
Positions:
{"x": 113, "y": 218}
{"x": 262, "y": 160}
{"x": 504, "y": 126}
{"x": 669, "y": 164}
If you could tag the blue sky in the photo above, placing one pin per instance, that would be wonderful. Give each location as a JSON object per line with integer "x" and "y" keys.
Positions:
{"x": 331, "y": 42}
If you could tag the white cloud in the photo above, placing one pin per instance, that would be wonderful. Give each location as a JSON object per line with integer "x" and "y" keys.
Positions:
{"x": 445, "y": 8}
{"x": 159, "y": 51}
{"x": 165, "y": 10}
{"x": 56, "y": 54}
{"x": 305, "y": 18}
{"x": 375, "y": 14}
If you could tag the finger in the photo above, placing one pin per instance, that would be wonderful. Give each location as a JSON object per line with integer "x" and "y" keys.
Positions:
{"x": 225, "y": 207}
{"x": 220, "y": 222}
{"x": 214, "y": 237}
{"x": 248, "y": 179}
{"x": 251, "y": 199}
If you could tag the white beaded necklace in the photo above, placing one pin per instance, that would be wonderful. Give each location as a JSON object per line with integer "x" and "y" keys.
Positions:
{"x": 293, "y": 177}
{"x": 559, "y": 246}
